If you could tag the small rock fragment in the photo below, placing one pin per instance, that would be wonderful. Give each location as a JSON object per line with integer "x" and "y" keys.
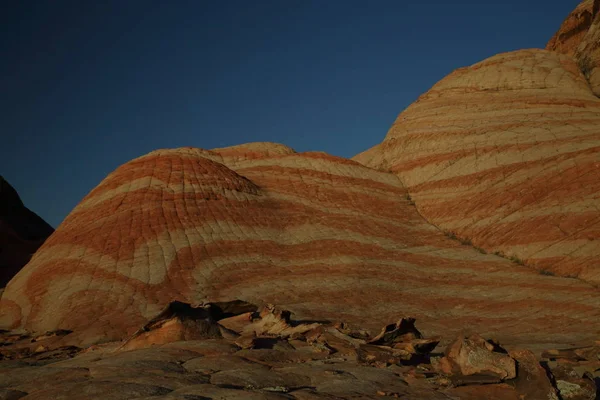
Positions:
{"x": 273, "y": 321}
{"x": 372, "y": 354}
{"x": 572, "y": 386}
{"x": 178, "y": 321}
{"x": 398, "y": 342}
{"x": 474, "y": 360}
{"x": 532, "y": 381}
{"x": 237, "y": 323}
{"x": 401, "y": 332}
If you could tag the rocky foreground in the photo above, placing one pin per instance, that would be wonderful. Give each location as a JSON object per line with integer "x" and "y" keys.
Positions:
{"x": 235, "y": 351}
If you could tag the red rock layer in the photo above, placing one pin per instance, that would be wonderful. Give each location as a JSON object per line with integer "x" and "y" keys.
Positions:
{"x": 22, "y": 232}
{"x": 322, "y": 236}
{"x": 506, "y": 153}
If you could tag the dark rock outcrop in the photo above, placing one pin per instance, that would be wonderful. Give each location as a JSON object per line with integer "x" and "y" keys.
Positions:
{"x": 22, "y": 232}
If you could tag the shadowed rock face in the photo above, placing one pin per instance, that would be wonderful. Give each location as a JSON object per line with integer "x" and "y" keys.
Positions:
{"x": 588, "y": 56}
{"x": 21, "y": 232}
{"x": 324, "y": 237}
{"x": 574, "y": 28}
{"x": 506, "y": 154}
{"x": 579, "y": 36}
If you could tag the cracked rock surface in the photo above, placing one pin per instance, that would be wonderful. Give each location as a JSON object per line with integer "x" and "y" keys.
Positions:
{"x": 321, "y": 236}
{"x": 322, "y": 361}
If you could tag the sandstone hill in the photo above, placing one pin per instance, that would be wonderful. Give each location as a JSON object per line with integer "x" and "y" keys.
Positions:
{"x": 21, "y": 232}
{"x": 506, "y": 154}
{"x": 322, "y": 236}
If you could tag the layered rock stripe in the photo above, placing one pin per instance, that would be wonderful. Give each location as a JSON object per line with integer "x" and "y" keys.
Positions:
{"x": 579, "y": 36}
{"x": 506, "y": 154}
{"x": 22, "y": 232}
{"x": 324, "y": 237}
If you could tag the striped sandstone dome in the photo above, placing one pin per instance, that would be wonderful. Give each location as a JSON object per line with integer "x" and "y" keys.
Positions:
{"x": 506, "y": 153}
{"x": 322, "y": 236}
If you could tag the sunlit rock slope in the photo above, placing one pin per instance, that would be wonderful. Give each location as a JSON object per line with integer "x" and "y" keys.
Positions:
{"x": 323, "y": 236}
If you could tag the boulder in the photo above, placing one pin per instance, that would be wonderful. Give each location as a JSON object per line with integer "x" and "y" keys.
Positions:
{"x": 573, "y": 386}
{"x": 532, "y": 381}
{"x": 474, "y": 360}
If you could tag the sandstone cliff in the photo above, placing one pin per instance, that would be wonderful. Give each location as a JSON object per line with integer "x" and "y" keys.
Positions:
{"x": 323, "y": 236}
{"x": 21, "y": 232}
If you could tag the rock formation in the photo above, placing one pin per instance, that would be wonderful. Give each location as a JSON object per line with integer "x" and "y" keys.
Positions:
{"x": 187, "y": 352}
{"x": 497, "y": 166}
{"x": 475, "y": 359}
{"x": 22, "y": 232}
{"x": 325, "y": 237}
{"x": 579, "y": 36}
{"x": 506, "y": 154}
{"x": 588, "y": 55}
{"x": 574, "y": 28}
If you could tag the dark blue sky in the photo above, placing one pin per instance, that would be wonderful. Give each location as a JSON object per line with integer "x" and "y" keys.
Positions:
{"x": 86, "y": 85}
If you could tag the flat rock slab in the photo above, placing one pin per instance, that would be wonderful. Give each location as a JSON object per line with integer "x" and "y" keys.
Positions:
{"x": 203, "y": 347}
{"x": 281, "y": 357}
{"x": 496, "y": 391}
{"x": 201, "y": 392}
{"x": 145, "y": 376}
{"x": 30, "y": 378}
{"x": 260, "y": 379}
{"x": 98, "y": 390}
{"x": 345, "y": 379}
{"x": 9, "y": 394}
{"x": 211, "y": 364}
